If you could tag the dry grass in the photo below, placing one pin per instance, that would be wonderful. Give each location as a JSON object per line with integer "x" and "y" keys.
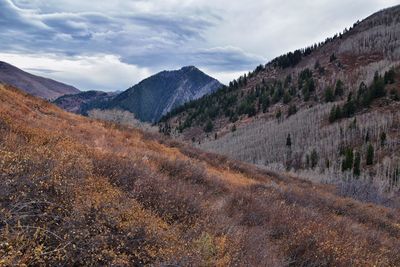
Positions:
{"x": 74, "y": 191}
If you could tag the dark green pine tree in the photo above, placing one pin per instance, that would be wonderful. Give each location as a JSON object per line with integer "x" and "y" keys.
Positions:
{"x": 289, "y": 141}
{"x": 329, "y": 95}
{"x": 339, "y": 90}
{"x": 314, "y": 159}
{"x": 383, "y": 139}
{"x": 357, "y": 162}
{"x": 347, "y": 163}
{"x": 370, "y": 155}
{"x": 209, "y": 127}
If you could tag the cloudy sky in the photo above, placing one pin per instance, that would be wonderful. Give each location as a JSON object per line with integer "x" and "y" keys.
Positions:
{"x": 111, "y": 45}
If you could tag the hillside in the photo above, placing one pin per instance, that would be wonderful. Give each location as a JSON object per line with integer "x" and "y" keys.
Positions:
{"x": 76, "y": 191}
{"x": 160, "y": 93}
{"x": 32, "y": 84}
{"x": 80, "y": 103}
{"x": 335, "y": 102}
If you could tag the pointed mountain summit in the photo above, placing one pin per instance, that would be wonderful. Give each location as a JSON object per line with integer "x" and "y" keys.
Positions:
{"x": 157, "y": 95}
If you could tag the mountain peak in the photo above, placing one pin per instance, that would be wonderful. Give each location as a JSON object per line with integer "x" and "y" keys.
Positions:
{"x": 4, "y": 64}
{"x": 189, "y": 68}
{"x": 157, "y": 95}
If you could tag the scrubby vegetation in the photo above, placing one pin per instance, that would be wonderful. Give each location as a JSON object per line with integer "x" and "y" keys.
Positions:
{"x": 76, "y": 191}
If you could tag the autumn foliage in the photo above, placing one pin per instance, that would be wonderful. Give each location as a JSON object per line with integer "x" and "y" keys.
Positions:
{"x": 75, "y": 191}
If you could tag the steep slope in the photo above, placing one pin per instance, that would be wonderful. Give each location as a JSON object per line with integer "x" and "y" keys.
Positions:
{"x": 75, "y": 191}
{"x": 80, "y": 103}
{"x": 336, "y": 96}
{"x": 157, "y": 95}
{"x": 34, "y": 85}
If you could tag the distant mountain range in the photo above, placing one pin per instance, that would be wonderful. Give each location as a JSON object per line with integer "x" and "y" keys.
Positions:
{"x": 151, "y": 98}
{"x": 32, "y": 84}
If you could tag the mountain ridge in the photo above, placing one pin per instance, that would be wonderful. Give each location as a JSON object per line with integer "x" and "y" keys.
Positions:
{"x": 158, "y": 94}
{"x": 38, "y": 86}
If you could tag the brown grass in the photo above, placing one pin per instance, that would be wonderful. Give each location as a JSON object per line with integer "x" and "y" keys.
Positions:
{"x": 75, "y": 191}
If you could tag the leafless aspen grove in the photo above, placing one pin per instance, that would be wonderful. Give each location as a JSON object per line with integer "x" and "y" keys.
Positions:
{"x": 121, "y": 117}
{"x": 264, "y": 143}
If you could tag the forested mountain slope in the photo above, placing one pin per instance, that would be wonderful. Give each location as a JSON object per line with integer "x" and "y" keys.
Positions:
{"x": 330, "y": 110}
{"x": 301, "y": 78}
{"x": 75, "y": 191}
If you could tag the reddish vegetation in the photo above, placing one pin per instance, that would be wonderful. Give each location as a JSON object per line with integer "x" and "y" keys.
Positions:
{"x": 84, "y": 192}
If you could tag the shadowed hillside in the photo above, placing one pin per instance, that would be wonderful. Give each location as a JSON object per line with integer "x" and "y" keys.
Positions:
{"x": 75, "y": 191}
{"x": 32, "y": 84}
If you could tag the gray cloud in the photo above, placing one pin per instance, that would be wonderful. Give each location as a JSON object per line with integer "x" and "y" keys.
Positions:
{"x": 222, "y": 36}
{"x": 214, "y": 59}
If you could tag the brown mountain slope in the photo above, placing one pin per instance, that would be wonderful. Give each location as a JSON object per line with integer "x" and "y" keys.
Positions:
{"x": 74, "y": 191}
{"x": 32, "y": 84}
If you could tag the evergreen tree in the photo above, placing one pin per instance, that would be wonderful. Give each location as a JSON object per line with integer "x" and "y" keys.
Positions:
{"x": 335, "y": 114}
{"x": 357, "y": 162}
{"x": 317, "y": 65}
{"x": 332, "y": 58}
{"x": 370, "y": 155}
{"x": 348, "y": 109}
{"x": 288, "y": 141}
{"x": 209, "y": 127}
{"x": 367, "y": 137}
{"x": 332, "y": 115}
{"x": 339, "y": 89}
{"x": 278, "y": 115}
{"x": 347, "y": 163}
{"x": 389, "y": 76}
{"x": 265, "y": 103}
{"x": 327, "y": 163}
{"x": 286, "y": 98}
{"x": 383, "y": 139}
{"x": 329, "y": 95}
{"x": 314, "y": 159}
{"x": 292, "y": 110}
{"x": 378, "y": 86}
{"x": 338, "y": 113}
{"x": 288, "y": 80}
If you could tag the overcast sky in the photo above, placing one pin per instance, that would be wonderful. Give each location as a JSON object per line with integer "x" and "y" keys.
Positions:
{"x": 111, "y": 45}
